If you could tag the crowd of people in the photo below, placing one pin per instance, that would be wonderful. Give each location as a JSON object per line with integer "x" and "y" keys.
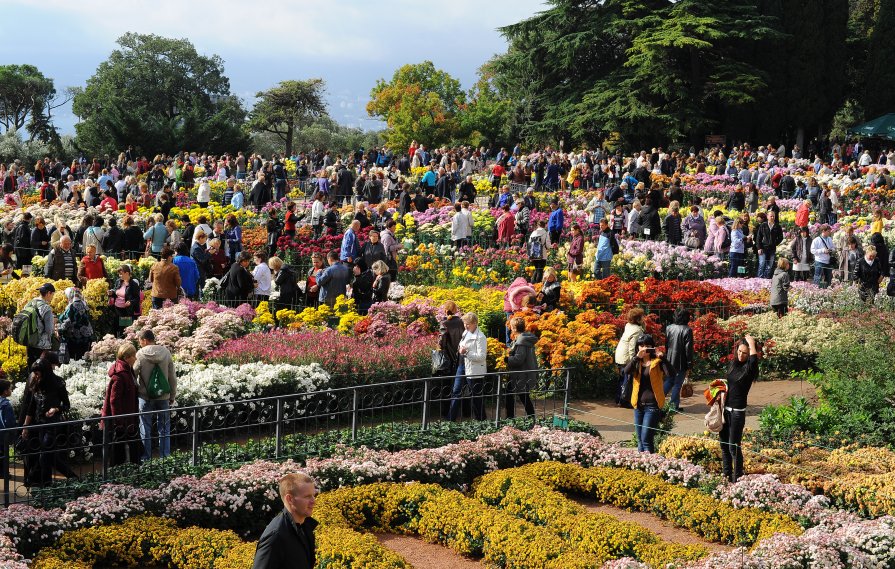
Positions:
{"x": 628, "y": 194}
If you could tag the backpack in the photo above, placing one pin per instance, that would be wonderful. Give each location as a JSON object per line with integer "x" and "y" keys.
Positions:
{"x": 158, "y": 384}
{"x": 26, "y": 325}
{"x": 725, "y": 245}
{"x": 536, "y": 248}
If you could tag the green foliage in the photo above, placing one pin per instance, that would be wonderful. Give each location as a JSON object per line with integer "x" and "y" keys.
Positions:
{"x": 420, "y": 102}
{"x": 485, "y": 119}
{"x": 850, "y": 114}
{"x": 855, "y": 386}
{"x": 287, "y": 107}
{"x": 880, "y": 85}
{"x": 24, "y": 93}
{"x": 159, "y": 95}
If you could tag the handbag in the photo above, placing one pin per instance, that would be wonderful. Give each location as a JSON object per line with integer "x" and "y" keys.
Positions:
{"x": 627, "y": 391}
{"x": 125, "y": 321}
{"x": 440, "y": 363}
{"x": 687, "y": 389}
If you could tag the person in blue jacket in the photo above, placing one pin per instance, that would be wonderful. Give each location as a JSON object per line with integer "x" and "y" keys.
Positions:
{"x": 556, "y": 221}
{"x": 604, "y": 251}
{"x": 189, "y": 271}
{"x": 350, "y": 249}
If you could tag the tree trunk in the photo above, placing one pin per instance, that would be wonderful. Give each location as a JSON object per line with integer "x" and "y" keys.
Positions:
{"x": 290, "y": 135}
{"x": 800, "y": 137}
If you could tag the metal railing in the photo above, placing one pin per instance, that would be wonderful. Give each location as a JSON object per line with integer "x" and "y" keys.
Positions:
{"x": 271, "y": 428}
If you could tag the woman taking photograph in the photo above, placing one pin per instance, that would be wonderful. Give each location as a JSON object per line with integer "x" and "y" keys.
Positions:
{"x": 741, "y": 373}
{"x": 648, "y": 394}
{"x": 381, "y": 282}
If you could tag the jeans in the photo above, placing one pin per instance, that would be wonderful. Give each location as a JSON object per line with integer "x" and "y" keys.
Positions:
{"x": 476, "y": 385}
{"x": 672, "y": 388}
{"x": 646, "y": 419}
{"x": 158, "y": 302}
{"x": 601, "y": 269}
{"x": 164, "y": 427}
{"x": 822, "y": 274}
{"x": 731, "y": 436}
{"x": 765, "y": 265}
{"x": 736, "y": 261}
{"x": 539, "y": 265}
{"x": 831, "y": 218}
{"x": 51, "y": 458}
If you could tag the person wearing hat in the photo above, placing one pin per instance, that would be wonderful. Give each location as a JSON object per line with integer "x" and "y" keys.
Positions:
{"x": 647, "y": 395}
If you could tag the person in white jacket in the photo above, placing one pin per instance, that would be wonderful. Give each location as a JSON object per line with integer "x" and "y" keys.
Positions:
{"x": 203, "y": 194}
{"x": 473, "y": 352}
{"x": 461, "y": 226}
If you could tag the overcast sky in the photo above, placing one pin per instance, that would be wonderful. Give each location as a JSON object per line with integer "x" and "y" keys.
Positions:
{"x": 349, "y": 43}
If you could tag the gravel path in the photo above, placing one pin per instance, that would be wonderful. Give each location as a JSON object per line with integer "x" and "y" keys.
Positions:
{"x": 424, "y": 555}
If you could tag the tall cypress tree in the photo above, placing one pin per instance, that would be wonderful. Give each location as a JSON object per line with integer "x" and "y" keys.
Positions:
{"x": 880, "y": 85}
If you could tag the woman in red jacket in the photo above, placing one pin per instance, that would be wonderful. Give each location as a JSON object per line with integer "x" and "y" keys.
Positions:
{"x": 506, "y": 225}
{"x": 92, "y": 267}
{"x": 575, "y": 256}
{"x": 121, "y": 399}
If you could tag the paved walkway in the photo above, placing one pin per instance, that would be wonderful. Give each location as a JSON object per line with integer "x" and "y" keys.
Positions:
{"x": 616, "y": 423}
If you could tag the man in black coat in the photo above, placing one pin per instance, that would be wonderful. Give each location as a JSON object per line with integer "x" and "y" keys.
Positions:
{"x": 288, "y": 540}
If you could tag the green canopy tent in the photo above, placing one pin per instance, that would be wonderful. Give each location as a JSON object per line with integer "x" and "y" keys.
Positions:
{"x": 880, "y": 127}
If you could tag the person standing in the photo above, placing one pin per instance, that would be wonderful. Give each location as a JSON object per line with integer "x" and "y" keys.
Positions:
{"x": 288, "y": 540}
{"x": 767, "y": 237}
{"x": 679, "y": 350}
{"x": 62, "y": 262}
{"x": 869, "y": 274}
{"x": 648, "y": 394}
{"x": 165, "y": 278}
{"x": 555, "y": 222}
{"x": 332, "y": 281}
{"x": 349, "y": 251}
{"x": 238, "y": 284}
{"x": 22, "y": 241}
{"x": 606, "y": 248}
{"x": 120, "y": 398}
{"x": 472, "y": 365}
{"x": 152, "y": 357}
{"x": 74, "y": 324}
{"x": 262, "y": 277}
{"x": 538, "y": 244}
{"x": 48, "y": 402}
{"x": 522, "y": 362}
{"x": 741, "y": 373}
{"x": 627, "y": 345}
{"x": 822, "y": 248}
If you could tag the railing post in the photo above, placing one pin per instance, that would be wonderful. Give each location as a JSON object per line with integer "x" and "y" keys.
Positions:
{"x": 279, "y": 432}
{"x": 6, "y": 471}
{"x": 194, "y": 460}
{"x": 425, "y": 404}
{"x": 565, "y": 403}
{"x": 354, "y": 402}
{"x": 497, "y": 403}
{"x": 107, "y": 451}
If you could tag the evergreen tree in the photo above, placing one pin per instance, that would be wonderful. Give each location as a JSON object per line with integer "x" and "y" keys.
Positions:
{"x": 880, "y": 81}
